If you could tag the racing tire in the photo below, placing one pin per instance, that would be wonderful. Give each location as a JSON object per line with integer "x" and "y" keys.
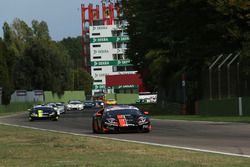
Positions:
{"x": 146, "y": 131}
{"x": 55, "y": 118}
{"x": 141, "y": 130}
{"x": 31, "y": 119}
{"x": 93, "y": 128}
{"x": 102, "y": 129}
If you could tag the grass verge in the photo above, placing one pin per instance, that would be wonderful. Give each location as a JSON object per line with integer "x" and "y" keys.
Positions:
{"x": 27, "y": 147}
{"x": 4, "y": 113}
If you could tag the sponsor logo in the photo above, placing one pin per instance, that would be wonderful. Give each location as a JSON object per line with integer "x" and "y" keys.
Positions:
{"x": 21, "y": 92}
{"x": 100, "y": 51}
{"x": 98, "y": 87}
{"x": 100, "y": 75}
{"x": 100, "y": 28}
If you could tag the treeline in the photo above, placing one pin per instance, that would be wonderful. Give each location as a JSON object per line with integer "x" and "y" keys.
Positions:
{"x": 30, "y": 60}
{"x": 176, "y": 37}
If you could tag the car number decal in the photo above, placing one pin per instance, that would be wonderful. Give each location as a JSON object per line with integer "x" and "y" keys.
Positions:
{"x": 40, "y": 113}
{"x": 122, "y": 120}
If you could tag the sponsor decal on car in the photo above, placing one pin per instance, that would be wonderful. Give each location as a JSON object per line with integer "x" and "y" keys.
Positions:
{"x": 122, "y": 120}
{"x": 40, "y": 113}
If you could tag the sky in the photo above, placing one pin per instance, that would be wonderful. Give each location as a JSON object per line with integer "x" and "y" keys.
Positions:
{"x": 62, "y": 16}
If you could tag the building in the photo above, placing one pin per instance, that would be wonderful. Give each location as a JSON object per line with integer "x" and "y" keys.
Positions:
{"x": 104, "y": 46}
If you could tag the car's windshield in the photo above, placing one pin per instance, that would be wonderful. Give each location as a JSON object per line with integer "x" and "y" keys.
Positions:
{"x": 128, "y": 112}
{"x": 75, "y": 102}
{"x": 59, "y": 104}
{"x": 88, "y": 102}
{"x": 51, "y": 104}
{"x": 111, "y": 100}
{"x": 45, "y": 109}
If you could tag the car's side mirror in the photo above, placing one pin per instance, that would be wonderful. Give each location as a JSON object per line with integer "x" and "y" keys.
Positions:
{"x": 98, "y": 114}
{"x": 146, "y": 113}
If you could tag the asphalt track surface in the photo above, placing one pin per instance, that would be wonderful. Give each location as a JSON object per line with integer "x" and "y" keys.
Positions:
{"x": 219, "y": 137}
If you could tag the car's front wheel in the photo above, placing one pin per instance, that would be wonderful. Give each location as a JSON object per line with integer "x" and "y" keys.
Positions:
{"x": 93, "y": 127}
{"x": 55, "y": 118}
{"x": 31, "y": 119}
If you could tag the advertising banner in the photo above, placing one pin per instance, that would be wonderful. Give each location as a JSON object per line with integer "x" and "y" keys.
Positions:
{"x": 38, "y": 92}
{"x": 21, "y": 92}
{"x": 112, "y": 63}
{"x": 96, "y": 87}
{"x": 109, "y": 39}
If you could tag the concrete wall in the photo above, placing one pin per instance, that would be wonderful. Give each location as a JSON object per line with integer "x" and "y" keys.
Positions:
{"x": 29, "y": 97}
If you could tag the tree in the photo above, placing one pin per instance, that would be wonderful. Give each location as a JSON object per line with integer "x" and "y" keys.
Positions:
{"x": 74, "y": 48}
{"x": 44, "y": 66}
{"x": 82, "y": 80}
{"x": 40, "y": 30}
{"x": 237, "y": 23}
{"x": 5, "y": 82}
{"x": 170, "y": 38}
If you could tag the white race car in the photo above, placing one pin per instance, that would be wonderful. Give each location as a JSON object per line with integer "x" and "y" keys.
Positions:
{"x": 75, "y": 105}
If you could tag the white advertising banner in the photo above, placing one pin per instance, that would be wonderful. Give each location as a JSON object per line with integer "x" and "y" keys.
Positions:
{"x": 101, "y": 31}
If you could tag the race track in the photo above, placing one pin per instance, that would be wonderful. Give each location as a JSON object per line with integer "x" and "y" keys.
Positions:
{"x": 219, "y": 137}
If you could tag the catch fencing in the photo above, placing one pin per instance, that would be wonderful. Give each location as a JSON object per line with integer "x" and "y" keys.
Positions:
{"x": 225, "y": 78}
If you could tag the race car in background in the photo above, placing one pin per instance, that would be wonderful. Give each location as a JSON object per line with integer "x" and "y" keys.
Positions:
{"x": 61, "y": 107}
{"x": 99, "y": 103}
{"x": 43, "y": 112}
{"x": 75, "y": 105}
{"x": 110, "y": 102}
{"x": 89, "y": 104}
{"x": 120, "y": 118}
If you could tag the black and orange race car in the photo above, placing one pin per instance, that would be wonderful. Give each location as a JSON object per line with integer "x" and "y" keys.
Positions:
{"x": 120, "y": 118}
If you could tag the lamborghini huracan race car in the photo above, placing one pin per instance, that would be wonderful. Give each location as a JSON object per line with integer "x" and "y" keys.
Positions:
{"x": 43, "y": 112}
{"x": 120, "y": 118}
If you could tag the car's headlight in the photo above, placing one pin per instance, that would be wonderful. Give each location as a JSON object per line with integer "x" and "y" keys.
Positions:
{"x": 33, "y": 114}
{"x": 53, "y": 113}
{"x": 142, "y": 120}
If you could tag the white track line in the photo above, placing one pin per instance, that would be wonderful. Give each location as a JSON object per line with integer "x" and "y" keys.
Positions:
{"x": 133, "y": 141}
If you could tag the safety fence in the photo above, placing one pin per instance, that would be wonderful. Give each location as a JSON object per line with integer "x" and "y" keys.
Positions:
{"x": 225, "y": 107}
{"x": 225, "y": 77}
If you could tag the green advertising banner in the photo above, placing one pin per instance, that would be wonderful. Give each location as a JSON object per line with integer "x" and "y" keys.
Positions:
{"x": 96, "y": 87}
{"x": 109, "y": 39}
{"x": 111, "y": 63}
